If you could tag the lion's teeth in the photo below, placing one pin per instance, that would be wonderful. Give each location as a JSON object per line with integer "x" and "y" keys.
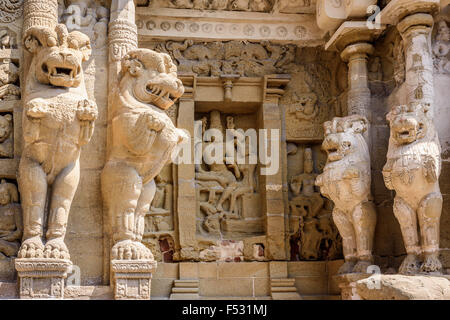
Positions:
{"x": 163, "y": 93}
{"x": 167, "y": 96}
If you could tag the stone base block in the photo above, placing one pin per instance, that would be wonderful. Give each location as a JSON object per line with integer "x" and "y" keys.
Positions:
{"x": 401, "y": 287}
{"x": 132, "y": 279}
{"x": 42, "y": 278}
{"x": 347, "y": 284}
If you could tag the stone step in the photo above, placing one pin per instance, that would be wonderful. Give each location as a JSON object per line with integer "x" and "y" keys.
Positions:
{"x": 186, "y": 283}
{"x": 184, "y": 290}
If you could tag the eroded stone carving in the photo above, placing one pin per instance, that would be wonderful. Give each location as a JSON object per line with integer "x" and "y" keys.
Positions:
{"x": 9, "y": 76}
{"x": 230, "y": 5}
{"x": 232, "y": 57}
{"x": 8, "y": 39}
{"x": 143, "y": 137}
{"x": 441, "y": 48}
{"x": 313, "y": 234}
{"x": 6, "y": 136}
{"x": 10, "y": 220}
{"x": 346, "y": 181}
{"x": 412, "y": 169}
{"x": 58, "y": 118}
{"x": 10, "y": 10}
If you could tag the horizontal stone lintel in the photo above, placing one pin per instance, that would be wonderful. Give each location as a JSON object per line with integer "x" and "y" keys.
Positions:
{"x": 203, "y": 25}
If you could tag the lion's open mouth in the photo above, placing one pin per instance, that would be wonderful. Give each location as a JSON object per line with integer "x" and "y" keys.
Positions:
{"x": 163, "y": 98}
{"x": 60, "y": 72}
{"x": 158, "y": 91}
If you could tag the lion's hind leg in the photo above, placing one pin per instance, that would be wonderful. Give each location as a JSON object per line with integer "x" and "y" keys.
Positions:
{"x": 121, "y": 188}
{"x": 407, "y": 219}
{"x": 33, "y": 191}
{"x": 364, "y": 221}
{"x": 345, "y": 227}
{"x": 63, "y": 191}
{"x": 429, "y": 213}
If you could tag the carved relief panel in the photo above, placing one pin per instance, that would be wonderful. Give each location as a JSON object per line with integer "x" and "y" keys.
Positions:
{"x": 228, "y": 201}
{"x": 231, "y": 57}
{"x": 159, "y": 221}
{"x": 313, "y": 235}
{"x": 306, "y": 102}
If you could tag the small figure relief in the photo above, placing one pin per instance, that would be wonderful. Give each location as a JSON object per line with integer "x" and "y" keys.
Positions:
{"x": 8, "y": 39}
{"x": 58, "y": 119}
{"x": 6, "y": 136}
{"x": 398, "y": 56}
{"x": 227, "y": 196}
{"x": 346, "y": 181}
{"x": 304, "y": 116}
{"x": 412, "y": 169}
{"x": 89, "y": 17}
{"x": 143, "y": 138}
{"x": 441, "y": 48}
{"x": 9, "y": 81}
{"x": 375, "y": 76}
{"x": 313, "y": 234}
{"x": 243, "y": 58}
{"x": 10, "y": 220}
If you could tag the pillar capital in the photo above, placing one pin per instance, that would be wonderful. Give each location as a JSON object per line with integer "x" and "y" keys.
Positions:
{"x": 352, "y": 32}
{"x": 418, "y": 22}
{"x": 358, "y": 50}
{"x": 396, "y": 10}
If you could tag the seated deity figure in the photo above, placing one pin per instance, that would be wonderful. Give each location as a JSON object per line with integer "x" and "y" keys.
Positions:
{"x": 10, "y": 220}
{"x": 307, "y": 201}
{"x": 218, "y": 172}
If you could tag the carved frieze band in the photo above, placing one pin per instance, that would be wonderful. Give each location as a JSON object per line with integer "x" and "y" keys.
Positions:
{"x": 211, "y": 26}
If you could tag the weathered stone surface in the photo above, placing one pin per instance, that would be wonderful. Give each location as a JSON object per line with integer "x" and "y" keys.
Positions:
{"x": 399, "y": 287}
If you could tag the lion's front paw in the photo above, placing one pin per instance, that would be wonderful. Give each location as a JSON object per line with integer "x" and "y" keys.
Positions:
{"x": 361, "y": 266}
{"x": 56, "y": 249}
{"x": 87, "y": 110}
{"x": 347, "y": 267}
{"x": 410, "y": 265}
{"x": 130, "y": 250}
{"x": 152, "y": 122}
{"x": 31, "y": 248}
{"x": 431, "y": 264}
{"x": 36, "y": 108}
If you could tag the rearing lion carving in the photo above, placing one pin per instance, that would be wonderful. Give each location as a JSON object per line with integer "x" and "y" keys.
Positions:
{"x": 412, "y": 169}
{"x": 346, "y": 181}
{"x": 58, "y": 118}
{"x": 143, "y": 138}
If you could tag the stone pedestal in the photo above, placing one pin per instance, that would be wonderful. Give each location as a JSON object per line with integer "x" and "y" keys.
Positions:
{"x": 132, "y": 279}
{"x": 42, "y": 278}
{"x": 347, "y": 284}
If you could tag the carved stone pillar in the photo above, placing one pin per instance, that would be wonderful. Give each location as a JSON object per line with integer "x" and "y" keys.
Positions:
{"x": 53, "y": 102}
{"x": 122, "y": 37}
{"x": 415, "y": 31}
{"x": 353, "y": 39}
{"x": 358, "y": 97}
{"x": 418, "y": 201}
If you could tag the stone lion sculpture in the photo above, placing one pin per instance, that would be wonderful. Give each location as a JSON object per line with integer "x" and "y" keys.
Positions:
{"x": 346, "y": 181}
{"x": 143, "y": 138}
{"x": 412, "y": 169}
{"x": 58, "y": 118}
